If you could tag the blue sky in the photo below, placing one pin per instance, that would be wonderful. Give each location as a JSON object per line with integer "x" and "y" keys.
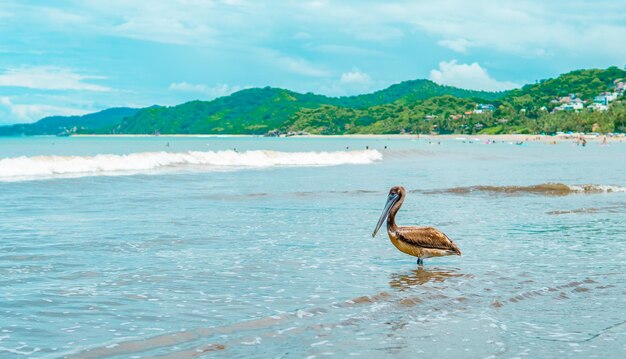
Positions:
{"x": 74, "y": 57}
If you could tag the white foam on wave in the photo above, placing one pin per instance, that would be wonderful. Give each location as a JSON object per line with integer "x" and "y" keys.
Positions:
{"x": 39, "y": 167}
{"x": 596, "y": 188}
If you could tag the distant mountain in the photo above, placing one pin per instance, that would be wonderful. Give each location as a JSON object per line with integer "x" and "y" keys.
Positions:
{"x": 259, "y": 110}
{"x": 411, "y": 91}
{"x": 531, "y": 109}
{"x": 101, "y": 121}
{"x": 417, "y": 106}
{"x": 584, "y": 83}
{"x": 252, "y": 111}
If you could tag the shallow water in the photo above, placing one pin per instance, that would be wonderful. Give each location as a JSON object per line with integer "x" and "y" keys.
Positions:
{"x": 193, "y": 260}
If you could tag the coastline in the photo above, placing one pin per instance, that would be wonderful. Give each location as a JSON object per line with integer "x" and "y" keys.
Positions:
{"x": 168, "y": 135}
{"x": 458, "y": 137}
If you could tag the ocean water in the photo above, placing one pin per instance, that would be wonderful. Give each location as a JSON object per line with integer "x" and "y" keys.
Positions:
{"x": 242, "y": 247}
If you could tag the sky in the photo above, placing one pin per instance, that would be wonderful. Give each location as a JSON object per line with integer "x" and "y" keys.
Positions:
{"x": 67, "y": 57}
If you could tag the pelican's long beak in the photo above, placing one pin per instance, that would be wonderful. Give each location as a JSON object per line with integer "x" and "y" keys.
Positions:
{"x": 391, "y": 200}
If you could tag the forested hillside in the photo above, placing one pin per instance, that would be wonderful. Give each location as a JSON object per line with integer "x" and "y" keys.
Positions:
{"x": 581, "y": 101}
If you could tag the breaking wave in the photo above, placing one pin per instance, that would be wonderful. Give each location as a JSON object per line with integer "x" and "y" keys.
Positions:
{"x": 39, "y": 167}
{"x": 545, "y": 189}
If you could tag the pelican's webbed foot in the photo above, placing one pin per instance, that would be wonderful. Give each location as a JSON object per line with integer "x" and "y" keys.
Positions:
{"x": 420, "y": 261}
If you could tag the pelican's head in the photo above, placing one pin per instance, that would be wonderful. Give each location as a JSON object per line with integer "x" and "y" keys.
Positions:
{"x": 395, "y": 194}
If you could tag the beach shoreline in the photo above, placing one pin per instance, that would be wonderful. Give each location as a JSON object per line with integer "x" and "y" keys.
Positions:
{"x": 459, "y": 137}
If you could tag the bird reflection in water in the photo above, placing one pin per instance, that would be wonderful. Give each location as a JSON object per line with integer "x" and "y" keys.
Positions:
{"x": 421, "y": 276}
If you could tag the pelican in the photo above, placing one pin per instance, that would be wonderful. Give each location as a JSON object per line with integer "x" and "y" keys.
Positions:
{"x": 420, "y": 242}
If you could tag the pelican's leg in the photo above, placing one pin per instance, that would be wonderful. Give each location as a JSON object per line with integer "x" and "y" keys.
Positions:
{"x": 420, "y": 261}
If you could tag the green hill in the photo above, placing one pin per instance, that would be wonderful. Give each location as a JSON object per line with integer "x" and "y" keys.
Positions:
{"x": 584, "y": 83}
{"x": 417, "y": 106}
{"x": 525, "y": 110}
{"x": 252, "y": 111}
{"x": 396, "y": 117}
{"x": 101, "y": 121}
{"x": 411, "y": 91}
{"x": 257, "y": 111}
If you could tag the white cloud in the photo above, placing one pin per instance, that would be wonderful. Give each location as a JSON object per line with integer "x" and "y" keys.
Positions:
{"x": 355, "y": 78}
{"x": 181, "y": 22}
{"x": 211, "y": 92}
{"x": 458, "y": 45}
{"x": 49, "y": 78}
{"x": 471, "y": 76}
{"x": 166, "y": 30}
{"x": 576, "y": 26}
{"x": 548, "y": 27}
{"x": 187, "y": 87}
{"x": 291, "y": 64}
{"x": 301, "y": 66}
{"x": 35, "y": 112}
{"x": 352, "y": 82}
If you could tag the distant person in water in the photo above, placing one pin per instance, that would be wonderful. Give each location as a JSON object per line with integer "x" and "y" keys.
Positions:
{"x": 584, "y": 142}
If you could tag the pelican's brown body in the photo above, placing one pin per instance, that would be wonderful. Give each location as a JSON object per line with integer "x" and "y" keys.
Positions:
{"x": 421, "y": 242}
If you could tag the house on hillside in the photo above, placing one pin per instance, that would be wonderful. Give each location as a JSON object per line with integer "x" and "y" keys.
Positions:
{"x": 598, "y": 107}
{"x": 574, "y": 104}
{"x": 482, "y": 108}
{"x": 606, "y": 97}
{"x": 601, "y": 99}
{"x": 577, "y": 104}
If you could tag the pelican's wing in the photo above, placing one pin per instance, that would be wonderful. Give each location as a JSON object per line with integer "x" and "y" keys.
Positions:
{"x": 427, "y": 237}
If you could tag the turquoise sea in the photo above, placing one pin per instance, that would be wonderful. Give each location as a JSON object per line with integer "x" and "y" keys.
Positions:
{"x": 245, "y": 247}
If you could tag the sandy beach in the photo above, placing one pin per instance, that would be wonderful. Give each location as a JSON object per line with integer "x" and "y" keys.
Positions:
{"x": 459, "y": 137}
{"x": 503, "y": 138}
